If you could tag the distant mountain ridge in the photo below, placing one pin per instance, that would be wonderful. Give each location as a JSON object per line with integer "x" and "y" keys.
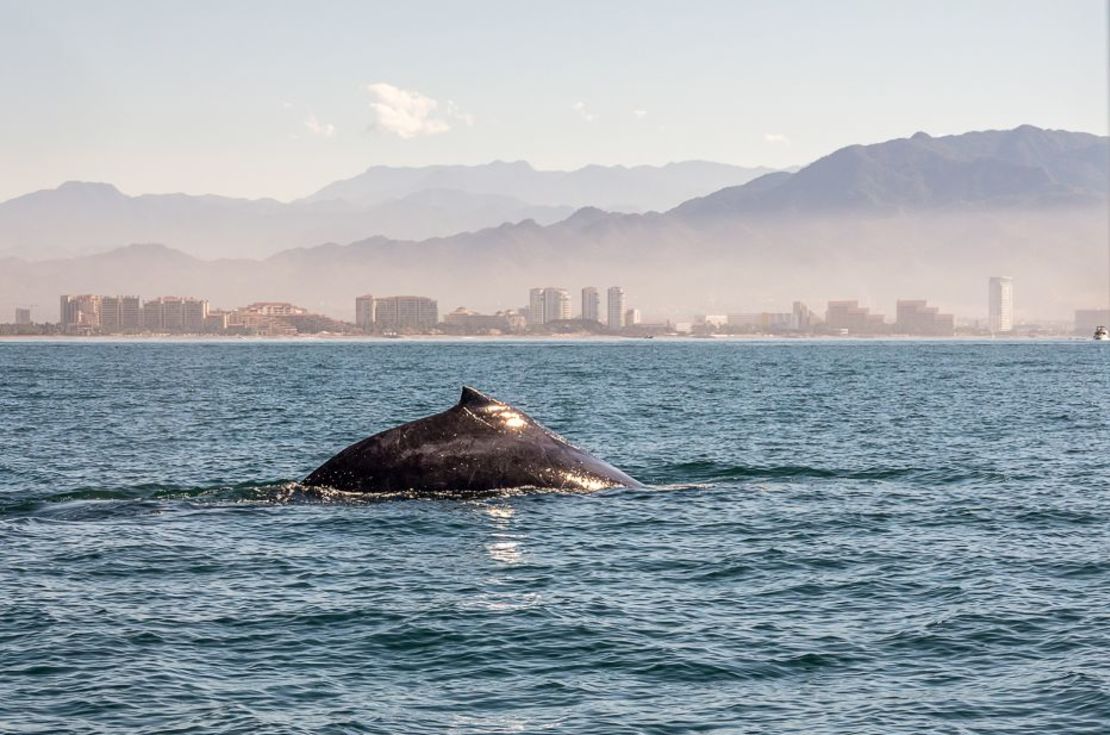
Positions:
{"x": 1026, "y": 165}
{"x": 622, "y": 188}
{"x": 79, "y": 218}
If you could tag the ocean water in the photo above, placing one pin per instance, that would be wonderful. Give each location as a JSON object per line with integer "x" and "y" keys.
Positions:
{"x": 873, "y": 537}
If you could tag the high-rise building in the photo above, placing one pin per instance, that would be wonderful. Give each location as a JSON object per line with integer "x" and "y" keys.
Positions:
{"x": 632, "y": 317}
{"x": 80, "y": 312}
{"x": 130, "y": 313}
{"x": 406, "y": 313}
{"x": 615, "y": 307}
{"x": 120, "y": 313}
{"x": 536, "y": 314}
{"x": 194, "y": 314}
{"x": 109, "y": 313}
{"x": 1001, "y": 304}
{"x": 556, "y": 304}
{"x": 22, "y": 316}
{"x": 364, "y": 312}
{"x": 152, "y": 316}
{"x": 849, "y": 316}
{"x": 591, "y": 304}
{"x": 175, "y": 314}
{"x": 802, "y": 319}
{"x": 915, "y": 317}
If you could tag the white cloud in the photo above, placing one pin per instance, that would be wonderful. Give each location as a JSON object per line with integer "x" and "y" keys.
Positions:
{"x": 407, "y": 113}
{"x": 583, "y": 111}
{"x": 317, "y": 128}
{"x": 777, "y": 138}
{"x": 456, "y": 113}
{"x": 639, "y": 113}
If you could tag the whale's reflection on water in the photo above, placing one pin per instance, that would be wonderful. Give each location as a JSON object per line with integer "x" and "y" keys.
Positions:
{"x": 506, "y": 552}
{"x": 504, "y": 546}
{"x": 500, "y": 512}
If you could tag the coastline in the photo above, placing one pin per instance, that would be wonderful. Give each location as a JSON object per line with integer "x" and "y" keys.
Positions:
{"x": 522, "y": 339}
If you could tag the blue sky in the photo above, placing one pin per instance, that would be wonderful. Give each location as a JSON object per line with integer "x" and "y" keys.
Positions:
{"x": 279, "y": 98}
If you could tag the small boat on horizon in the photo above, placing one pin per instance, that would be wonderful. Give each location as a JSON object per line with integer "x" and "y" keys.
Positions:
{"x": 1101, "y": 334}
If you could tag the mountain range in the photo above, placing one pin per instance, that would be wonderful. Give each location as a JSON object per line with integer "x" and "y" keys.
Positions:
{"x": 916, "y": 217}
{"x": 81, "y": 218}
{"x": 617, "y": 188}
{"x": 1023, "y": 166}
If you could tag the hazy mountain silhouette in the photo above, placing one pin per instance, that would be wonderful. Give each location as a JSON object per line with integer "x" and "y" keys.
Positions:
{"x": 79, "y": 218}
{"x": 622, "y": 188}
{"x": 1023, "y": 166}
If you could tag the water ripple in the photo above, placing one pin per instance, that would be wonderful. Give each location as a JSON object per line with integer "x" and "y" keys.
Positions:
{"x": 880, "y": 538}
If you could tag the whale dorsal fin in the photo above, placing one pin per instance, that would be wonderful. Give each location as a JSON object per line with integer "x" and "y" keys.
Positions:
{"x": 472, "y": 398}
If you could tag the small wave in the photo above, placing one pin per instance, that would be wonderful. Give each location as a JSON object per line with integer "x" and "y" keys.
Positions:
{"x": 89, "y": 503}
{"x": 708, "y": 471}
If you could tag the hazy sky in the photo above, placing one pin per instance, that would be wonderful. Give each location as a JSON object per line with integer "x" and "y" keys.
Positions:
{"x": 278, "y": 99}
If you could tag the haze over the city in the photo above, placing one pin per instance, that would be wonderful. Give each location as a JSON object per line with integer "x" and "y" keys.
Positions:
{"x": 468, "y": 153}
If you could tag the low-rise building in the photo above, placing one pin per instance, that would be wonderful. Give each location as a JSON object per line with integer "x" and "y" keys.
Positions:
{"x": 216, "y": 321}
{"x": 710, "y": 321}
{"x": 273, "y": 308}
{"x": 265, "y": 318}
{"x": 467, "y": 321}
{"x": 761, "y": 322}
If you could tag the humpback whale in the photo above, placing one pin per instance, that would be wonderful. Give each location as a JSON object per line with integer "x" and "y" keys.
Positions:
{"x": 477, "y": 445}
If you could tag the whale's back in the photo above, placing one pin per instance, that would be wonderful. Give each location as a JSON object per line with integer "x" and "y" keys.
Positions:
{"x": 479, "y": 444}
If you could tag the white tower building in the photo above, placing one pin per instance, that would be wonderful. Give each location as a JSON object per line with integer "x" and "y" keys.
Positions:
{"x": 591, "y": 304}
{"x": 616, "y": 307}
{"x": 1001, "y": 304}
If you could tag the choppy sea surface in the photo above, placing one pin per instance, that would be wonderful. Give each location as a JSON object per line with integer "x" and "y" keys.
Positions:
{"x": 873, "y": 537}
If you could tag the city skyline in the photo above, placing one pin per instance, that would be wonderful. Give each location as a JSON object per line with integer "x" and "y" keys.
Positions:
{"x": 847, "y": 219}
{"x": 130, "y": 314}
